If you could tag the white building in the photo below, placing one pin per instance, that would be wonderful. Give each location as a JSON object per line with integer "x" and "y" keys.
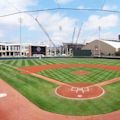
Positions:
{"x": 7, "y": 49}
{"x": 20, "y": 50}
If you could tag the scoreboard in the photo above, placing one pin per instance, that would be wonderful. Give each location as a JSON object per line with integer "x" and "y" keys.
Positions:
{"x": 38, "y": 50}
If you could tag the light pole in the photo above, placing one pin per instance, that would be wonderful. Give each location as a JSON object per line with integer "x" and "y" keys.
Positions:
{"x": 20, "y": 34}
{"x": 99, "y": 40}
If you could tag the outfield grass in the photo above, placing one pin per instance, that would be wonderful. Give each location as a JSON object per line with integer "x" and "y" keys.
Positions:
{"x": 42, "y": 94}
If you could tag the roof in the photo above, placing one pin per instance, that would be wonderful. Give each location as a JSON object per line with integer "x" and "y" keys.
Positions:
{"x": 22, "y": 44}
{"x": 115, "y": 44}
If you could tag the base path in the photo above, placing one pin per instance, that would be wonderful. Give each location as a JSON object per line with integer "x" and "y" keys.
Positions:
{"x": 49, "y": 79}
{"x": 16, "y": 107}
{"x": 107, "y": 82}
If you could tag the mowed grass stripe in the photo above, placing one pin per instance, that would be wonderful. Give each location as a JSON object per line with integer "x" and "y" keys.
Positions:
{"x": 98, "y": 75}
{"x": 41, "y": 92}
{"x": 15, "y": 63}
{"x": 19, "y": 63}
{"x": 51, "y": 61}
{"x": 30, "y": 63}
{"x": 37, "y": 61}
{"x": 26, "y": 80}
{"x": 23, "y": 62}
{"x": 11, "y": 77}
{"x": 6, "y": 61}
{"x": 26, "y": 63}
{"x": 113, "y": 97}
{"x": 34, "y": 62}
{"x": 11, "y": 63}
{"x": 19, "y": 76}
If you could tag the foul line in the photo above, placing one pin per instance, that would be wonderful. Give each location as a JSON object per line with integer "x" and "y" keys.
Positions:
{"x": 49, "y": 79}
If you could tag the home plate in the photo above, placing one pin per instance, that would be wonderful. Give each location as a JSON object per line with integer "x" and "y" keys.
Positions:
{"x": 3, "y": 95}
{"x": 79, "y": 96}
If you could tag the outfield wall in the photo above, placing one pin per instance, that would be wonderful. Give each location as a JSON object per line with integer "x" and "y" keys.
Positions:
{"x": 17, "y": 58}
{"x": 101, "y": 57}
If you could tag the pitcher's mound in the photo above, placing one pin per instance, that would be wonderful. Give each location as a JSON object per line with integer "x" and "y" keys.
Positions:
{"x": 80, "y": 91}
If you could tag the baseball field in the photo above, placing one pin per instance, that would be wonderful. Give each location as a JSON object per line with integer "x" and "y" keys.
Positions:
{"x": 93, "y": 85}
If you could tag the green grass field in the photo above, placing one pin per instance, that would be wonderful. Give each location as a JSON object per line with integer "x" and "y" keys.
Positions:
{"x": 41, "y": 92}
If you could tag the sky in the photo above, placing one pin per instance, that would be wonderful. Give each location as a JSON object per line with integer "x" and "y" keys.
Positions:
{"x": 59, "y": 24}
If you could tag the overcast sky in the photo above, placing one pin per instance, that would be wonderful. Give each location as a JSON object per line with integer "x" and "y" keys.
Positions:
{"x": 59, "y": 24}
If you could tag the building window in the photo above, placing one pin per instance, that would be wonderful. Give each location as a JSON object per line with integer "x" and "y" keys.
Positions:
{"x": 11, "y": 48}
{"x": 3, "y": 47}
{"x": 7, "y": 47}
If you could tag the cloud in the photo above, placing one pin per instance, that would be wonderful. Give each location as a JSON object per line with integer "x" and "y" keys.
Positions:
{"x": 93, "y": 35}
{"x": 58, "y": 26}
{"x": 8, "y": 6}
{"x": 2, "y": 33}
{"x": 14, "y": 21}
{"x": 90, "y": 29}
{"x": 94, "y": 21}
{"x": 110, "y": 7}
{"x": 81, "y": 7}
{"x": 63, "y": 1}
{"x": 109, "y": 35}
